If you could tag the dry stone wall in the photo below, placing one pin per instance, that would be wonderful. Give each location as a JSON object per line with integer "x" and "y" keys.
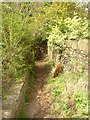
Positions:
{"x": 74, "y": 56}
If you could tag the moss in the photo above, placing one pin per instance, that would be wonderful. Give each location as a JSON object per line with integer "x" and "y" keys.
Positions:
{"x": 22, "y": 114}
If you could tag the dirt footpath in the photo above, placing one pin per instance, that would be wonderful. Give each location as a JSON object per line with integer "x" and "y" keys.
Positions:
{"x": 39, "y": 104}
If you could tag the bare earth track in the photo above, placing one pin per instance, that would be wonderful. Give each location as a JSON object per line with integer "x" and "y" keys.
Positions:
{"x": 39, "y": 103}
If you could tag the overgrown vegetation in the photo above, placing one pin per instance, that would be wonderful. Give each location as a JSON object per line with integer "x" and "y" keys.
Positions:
{"x": 69, "y": 95}
{"x": 69, "y": 29}
{"x": 26, "y": 27}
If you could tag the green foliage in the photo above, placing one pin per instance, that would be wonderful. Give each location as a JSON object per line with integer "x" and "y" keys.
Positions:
{"x": 16, "y": 44}
{"x": 69, "y": 97}
{"x": 55, "y": 92}
{"x": 22, "y": 114}
{"x": 68, "y": 29}
{"x": 25, "y": 25}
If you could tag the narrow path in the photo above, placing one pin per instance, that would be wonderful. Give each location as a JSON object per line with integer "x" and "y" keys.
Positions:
{"x": 39, "y": 103}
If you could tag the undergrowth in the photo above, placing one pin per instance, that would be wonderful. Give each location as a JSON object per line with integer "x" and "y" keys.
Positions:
{"x": 69, "y": 95}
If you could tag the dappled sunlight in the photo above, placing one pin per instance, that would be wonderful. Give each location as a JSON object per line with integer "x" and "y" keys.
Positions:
{"x": 45, "y": 59}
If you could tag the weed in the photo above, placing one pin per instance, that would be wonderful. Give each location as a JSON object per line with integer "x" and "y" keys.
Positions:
{"x": 70, "y": 102}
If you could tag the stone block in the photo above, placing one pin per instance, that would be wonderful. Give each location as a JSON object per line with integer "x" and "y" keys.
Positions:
{"x": 72, "y": 44}
{"x": 7, "y": 113}
{"x": 10, "y": 102}
{"x": 83, "y": 45}
{"x": 16, "y": 88}
{"x": 14, "y": 100}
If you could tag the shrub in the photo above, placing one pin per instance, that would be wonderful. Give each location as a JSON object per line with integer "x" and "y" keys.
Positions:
{"x": 68, "y": 29}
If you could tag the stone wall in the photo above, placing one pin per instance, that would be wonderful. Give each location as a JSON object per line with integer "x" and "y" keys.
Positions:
{"x": 73, "y": 56}
{"x": 15, "y": 99}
